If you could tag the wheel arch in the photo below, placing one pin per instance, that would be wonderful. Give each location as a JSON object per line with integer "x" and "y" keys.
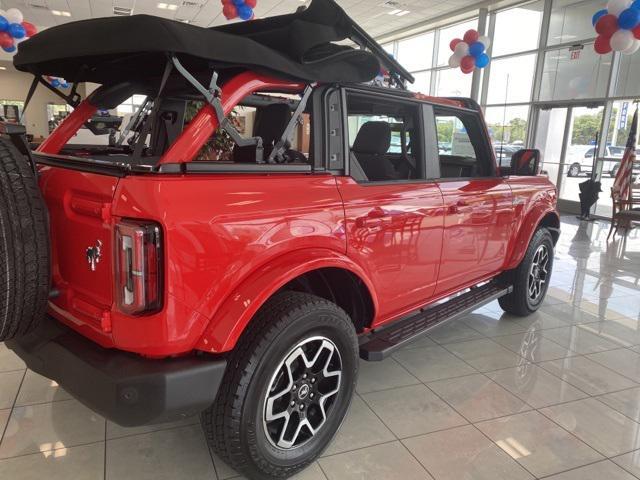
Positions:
{"x": 325, "y": 273}
{"x": 538, "y": 217}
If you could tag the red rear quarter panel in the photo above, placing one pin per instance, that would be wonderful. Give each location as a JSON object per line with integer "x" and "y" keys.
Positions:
{"x": 218, "y": 230}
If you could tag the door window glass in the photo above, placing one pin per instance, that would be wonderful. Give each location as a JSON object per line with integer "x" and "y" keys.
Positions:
{"x": 461, "y": 146}
{"x": 383, "y": 140}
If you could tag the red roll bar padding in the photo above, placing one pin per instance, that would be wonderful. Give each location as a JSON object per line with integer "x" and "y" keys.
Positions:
{"x": 67, "y": 128}
{"x": 205, "y": 123}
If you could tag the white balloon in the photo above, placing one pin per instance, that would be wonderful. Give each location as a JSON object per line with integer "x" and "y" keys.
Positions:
{"x": 486, "y": 41}
{"x": 14, "y": 15}
{"x": 462, "y": 50}
{"x": 616, "y": 7}
{"x": 622, "y": 40}
{"x": 633, "y": 48}
{"x": 454, "y": 62}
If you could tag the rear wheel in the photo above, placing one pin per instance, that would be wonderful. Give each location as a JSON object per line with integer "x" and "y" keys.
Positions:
{"x": 287, "y": 388}
{"x": 531, "y": 278}
{"x": 24, "y": 246}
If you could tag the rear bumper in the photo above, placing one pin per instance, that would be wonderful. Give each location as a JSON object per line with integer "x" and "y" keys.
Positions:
{"x": 125, "y": 388}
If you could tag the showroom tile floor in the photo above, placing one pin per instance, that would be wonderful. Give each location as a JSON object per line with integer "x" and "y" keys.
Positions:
{"x": 555, "y": 395}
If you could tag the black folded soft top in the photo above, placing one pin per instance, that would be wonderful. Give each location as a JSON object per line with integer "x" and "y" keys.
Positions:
{"x": 299, "y": 46}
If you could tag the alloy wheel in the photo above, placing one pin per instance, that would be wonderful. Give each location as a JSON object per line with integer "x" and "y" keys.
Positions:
{"x": 538, "y": 274}
{"x": 302, "y": 392}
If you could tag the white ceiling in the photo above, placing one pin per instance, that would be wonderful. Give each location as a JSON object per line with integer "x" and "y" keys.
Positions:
{"x": 372, "y": 15}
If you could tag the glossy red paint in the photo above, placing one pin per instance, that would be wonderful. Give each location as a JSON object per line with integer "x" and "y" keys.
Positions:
{"x": 478, "y": 223}
{"x": 68, "y": 128}
{"x": 205, "y": 123}
{"x": 395, "y": 235}
{"x": 231, "y": 241}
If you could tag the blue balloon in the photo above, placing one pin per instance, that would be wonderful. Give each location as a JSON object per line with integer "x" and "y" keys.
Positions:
{"x": 10, "y": 49}
{"x": 55, "y": 83}
{"x": 629, "y": 19}
{"x": 238, "y": 3}
{"x": 16, "y": 30}
{"x": 245, "y": 12}
{"x": 599, "y": 14}
{"x": 64, "y": 85}
{"x": 476, "y": 49}
{"x": 482, "y": 61}
{"x": 4, "y": 23}
{"x": 636, "y": 5}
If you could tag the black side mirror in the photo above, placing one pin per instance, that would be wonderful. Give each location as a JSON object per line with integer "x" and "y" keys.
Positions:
{"x": 526, "y": 163}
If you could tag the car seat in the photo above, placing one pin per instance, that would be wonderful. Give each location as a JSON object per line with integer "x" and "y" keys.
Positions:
{"x": 370, "y": 152}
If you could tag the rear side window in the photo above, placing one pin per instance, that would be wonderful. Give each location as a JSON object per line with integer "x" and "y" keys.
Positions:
{"x": 384, "y": 143}
{"x": 462, "y": 146}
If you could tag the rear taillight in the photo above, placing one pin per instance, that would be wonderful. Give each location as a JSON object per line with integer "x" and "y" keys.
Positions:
{"x": 138, "y": 267}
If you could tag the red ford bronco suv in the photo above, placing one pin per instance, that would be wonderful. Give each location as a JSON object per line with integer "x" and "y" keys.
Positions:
{"x": 155, "y": 278}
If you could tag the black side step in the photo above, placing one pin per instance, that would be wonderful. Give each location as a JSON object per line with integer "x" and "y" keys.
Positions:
{"x": 386, "y": 340}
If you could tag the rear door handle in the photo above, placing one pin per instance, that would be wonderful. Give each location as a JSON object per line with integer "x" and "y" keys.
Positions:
{"x": 369, "y": 222}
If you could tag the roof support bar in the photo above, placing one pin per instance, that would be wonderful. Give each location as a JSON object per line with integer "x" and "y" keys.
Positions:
{"x": 212, "y": 96}
{"x": 287, "y": 136}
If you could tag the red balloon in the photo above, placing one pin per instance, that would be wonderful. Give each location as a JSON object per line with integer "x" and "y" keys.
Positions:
{"x": 467, "y": 63}
{"x": 227, "y": 2}
{"x": 29, "y": 29}
{"x": 471, "y": 36}
{"x": 251, "y": 3}
{"x": 602, "y": 45}
{"x": 230, "y": 11}
{"x": 607, "y": 25}
{"x": 6, "y": 40}
{"x": 453, "y": 44}
{"x": 636, "y": 32}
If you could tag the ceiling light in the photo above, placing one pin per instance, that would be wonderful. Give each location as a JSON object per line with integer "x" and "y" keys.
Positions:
{"x": 403, "y": 13}
{"x": 3, "y": 68}
{"x": 122, "y": 11}
{"x": 168, "y": 6}
{"x": 394, "y": 12}
{"x": 61, "y": 13}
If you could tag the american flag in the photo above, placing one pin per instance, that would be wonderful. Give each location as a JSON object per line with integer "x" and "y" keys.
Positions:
{"x": 622, "y": 183}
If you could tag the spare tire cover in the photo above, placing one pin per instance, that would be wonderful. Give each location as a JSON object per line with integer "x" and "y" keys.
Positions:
{"x": 24, "y": 245}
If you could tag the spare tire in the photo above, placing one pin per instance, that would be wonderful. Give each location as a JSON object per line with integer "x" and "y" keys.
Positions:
{"x": 24, "y": 245}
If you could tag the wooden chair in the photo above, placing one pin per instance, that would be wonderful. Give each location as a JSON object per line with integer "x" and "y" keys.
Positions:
{"x": 625, "y": 211}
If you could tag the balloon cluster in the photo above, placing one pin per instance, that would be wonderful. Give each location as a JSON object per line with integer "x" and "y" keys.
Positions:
{"x": 56, "y": 82}
{"x": 13, "y": 29}
{"x": 618, "y": 27}
{"x": 238, "y": 8}
{"x": 470, "y": 51}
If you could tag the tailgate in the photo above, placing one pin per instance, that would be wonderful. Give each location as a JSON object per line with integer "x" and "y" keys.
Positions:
{"x": 79, "y": 204}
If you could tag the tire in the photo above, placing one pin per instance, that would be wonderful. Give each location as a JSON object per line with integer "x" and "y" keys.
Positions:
{"x": 24, "y": 246}
{"x": 237, "y": 426}
{"x": 614, "y": 171}
{"x": 574, "y": 170}
{"x": 521, "y": 301}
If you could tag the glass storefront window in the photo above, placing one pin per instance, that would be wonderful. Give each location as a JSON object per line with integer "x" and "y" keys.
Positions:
{"x": 570, "y": 75}
{"x": 508, "y": 124}
{"x": 508, "y": 36}
{"x": 448, "y": 34}
{"x": 422, "y": 83}
{"x": 416, "y": 53}
{"x": 571, "y": 21}
{"x": 450, "y": 82}
{"x": 628, "y": 75}
{"x": 511, "y": 80}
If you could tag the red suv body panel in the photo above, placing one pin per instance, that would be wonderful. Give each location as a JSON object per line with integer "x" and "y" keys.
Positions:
{"x": 232, "y": 240}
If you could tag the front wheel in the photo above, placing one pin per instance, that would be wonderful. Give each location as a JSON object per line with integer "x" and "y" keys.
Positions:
{"x": 288, "y": 385}
{"x": 574, "y": 170}
{"x": 531, "y": 278}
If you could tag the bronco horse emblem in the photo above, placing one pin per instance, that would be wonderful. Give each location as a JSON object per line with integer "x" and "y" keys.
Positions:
{"x": 94, "y": 254}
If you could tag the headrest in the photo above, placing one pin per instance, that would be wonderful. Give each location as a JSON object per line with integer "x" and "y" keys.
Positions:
{"x": 271, "y": 122}
{"x": 373, "y": 138}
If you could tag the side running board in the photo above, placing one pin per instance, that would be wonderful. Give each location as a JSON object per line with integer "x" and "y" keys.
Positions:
{"x": 383, "y": 341}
